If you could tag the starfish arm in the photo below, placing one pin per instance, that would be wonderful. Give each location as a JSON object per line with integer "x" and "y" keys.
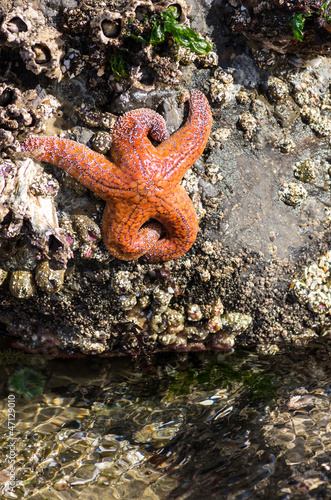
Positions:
{"x": 123, "y": 234}
{"x": 91, "y": 169}
{"x": 131, "y": 145}
{"x": 186, "y": 145}
{"x": 177, "y": 215}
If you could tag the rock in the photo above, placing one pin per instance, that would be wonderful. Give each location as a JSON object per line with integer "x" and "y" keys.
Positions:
{"x": 271, "y": 134}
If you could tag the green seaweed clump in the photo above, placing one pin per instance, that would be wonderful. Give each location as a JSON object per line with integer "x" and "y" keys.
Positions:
{"x": 325, "y": 11}
{"x": 184, "y": 36}
{"x": 297, "y": 23}
{"x": 27, "y": 382}
{"x": 298, "y": 20}
{"x": 118, "y": 66}
{"x": 220, "y": 375}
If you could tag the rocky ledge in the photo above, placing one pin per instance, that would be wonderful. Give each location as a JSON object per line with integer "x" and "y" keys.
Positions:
{"x": 259, "y": 271}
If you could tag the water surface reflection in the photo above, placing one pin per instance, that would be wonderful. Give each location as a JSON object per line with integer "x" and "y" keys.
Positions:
{"x": 209, "y": 425}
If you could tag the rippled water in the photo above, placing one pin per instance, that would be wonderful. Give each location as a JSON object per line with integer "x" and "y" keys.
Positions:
{"x": 232, "y": 426}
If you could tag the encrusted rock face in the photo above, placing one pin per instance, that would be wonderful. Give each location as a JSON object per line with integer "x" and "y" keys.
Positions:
{"x": 296, "y": 26}
{"x": 112, "y": 27}
{"x": 115, "y": 41}
{"x": 40, "y": 46}
{"x": 111, "y": 38}
{"x": 271, "y": 135}
{"x": 17, "y": 113}
{"x": 29, "y": 227}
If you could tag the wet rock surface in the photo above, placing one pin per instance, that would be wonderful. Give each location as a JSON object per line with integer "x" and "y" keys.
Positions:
{"x": 261, "y": 189}
{"x": 300, "y": 27}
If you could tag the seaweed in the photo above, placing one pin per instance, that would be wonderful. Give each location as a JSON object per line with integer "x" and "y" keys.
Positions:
{"x": 166, "y": 22}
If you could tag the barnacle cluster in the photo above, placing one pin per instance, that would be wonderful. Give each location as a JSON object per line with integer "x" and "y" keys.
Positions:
{"x": 17, "y": 113}
{"x": 27, "y": 207}
{"x": 307, "y": 171}
{"x": 221, "y": 87}
{"x": 94, "y": 118}
{"x": 248, "y": 124}
{"x": 40, "y": 45}
{"x": 317, "y": 121}
{"x": 32, "y": 240}
{"x": 83, "y": 234}
{"x": 170, "y": 325}
{"x": 35, "y": 248}
{"x": 303, "y": 93}
{"x": 185, "y": 56}
{"x": 134, "y": 43}
{"x": 116, "y": 40}
{"x": 308, "y": 93}
{"x": 313, "y": 289}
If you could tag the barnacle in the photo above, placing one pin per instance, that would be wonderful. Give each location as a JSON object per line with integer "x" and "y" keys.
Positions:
{"x": 22, "y": 284}
{"x": 292, "y": 193}
{"x": 49, "y": 280}
{"x": 16, "y": 114}
{"x": 40, "y": 46}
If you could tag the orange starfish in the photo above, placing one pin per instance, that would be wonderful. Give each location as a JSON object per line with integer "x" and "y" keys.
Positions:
{"x": 147, "y": 212}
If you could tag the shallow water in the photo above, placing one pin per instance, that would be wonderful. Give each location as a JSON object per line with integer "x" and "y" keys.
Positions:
{"x": 232, "y": 426}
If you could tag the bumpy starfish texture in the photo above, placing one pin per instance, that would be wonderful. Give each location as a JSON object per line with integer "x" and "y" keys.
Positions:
{"x": 147, "y": 212}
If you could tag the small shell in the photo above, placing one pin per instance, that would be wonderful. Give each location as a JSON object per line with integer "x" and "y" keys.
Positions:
{"x": 87, "y": 230}
{"x": 167, "y": 339}
{"x": 21, "y": 284}
{"x": 194, "y": 333}
{"x": 236, "y": 322}
{"x": 101, "y": 142}
{"x": 3, "y": 275}
{"x": 285, "y": 144}
{"x": 127, "y": 302}
{"x": 157, "y": 323}
{"x": 242, "y": 97}
{"x": 218, "y": 308}
{"x": 214, "y": 324}
{"x": 121, "y": 282}
{"x": 162, "y": 298}
{"x": 175, "y": 320}
{"x": 88, "y": 233}
{"x": 194, "y": 312}
{"x": 49, "y": 280}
